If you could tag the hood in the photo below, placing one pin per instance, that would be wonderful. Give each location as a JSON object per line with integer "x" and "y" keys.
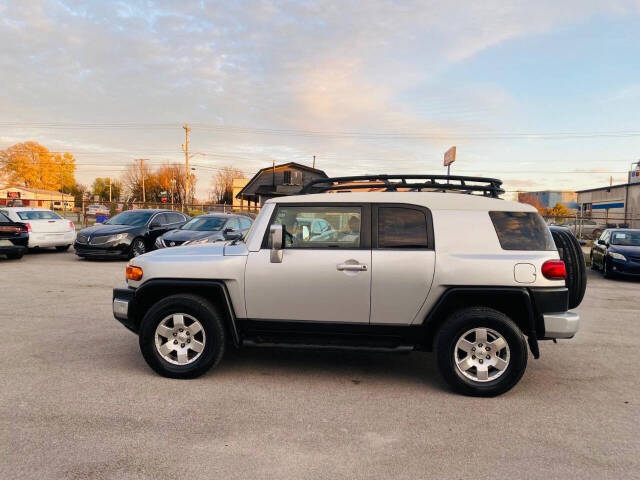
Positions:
{"x": 218, "y": 249}
{"x": 109, "y": 229}
{"x": 185, "y": 235}
{"x": 625, "y": 249}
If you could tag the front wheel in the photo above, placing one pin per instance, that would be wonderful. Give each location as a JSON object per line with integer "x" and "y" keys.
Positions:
{"x": 182, "y": 336}
{"x": 481, "y": 352}
{"x": 62, "y": 248}
{"x": 138, "y": 248}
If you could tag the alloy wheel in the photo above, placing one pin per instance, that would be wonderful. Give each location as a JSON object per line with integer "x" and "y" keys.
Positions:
{"x": 481, "y": 354}
{"x": 180, "y": 339}
{"x": 138, "y": 248}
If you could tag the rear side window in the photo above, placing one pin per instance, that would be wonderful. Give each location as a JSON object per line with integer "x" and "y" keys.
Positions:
{"x": 522, "y": 231}
{"x": 402, "y": 228}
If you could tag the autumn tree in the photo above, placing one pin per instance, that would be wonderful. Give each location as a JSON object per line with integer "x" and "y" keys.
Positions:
{"x": 170, "y": 177}
{"x": 222, "y": 184}
{"x": 100, "y": 187}
{"x": 30, "y": 164}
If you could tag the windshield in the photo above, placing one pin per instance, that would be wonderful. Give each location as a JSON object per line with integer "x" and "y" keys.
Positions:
{"x": 627, "y": 239}
{"x": 130, "y": 218}
{"x": 204, "y": 224}
{"x": 38, "y": 215}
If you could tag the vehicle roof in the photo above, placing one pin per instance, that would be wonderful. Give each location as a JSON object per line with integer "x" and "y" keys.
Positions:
{"x": 616, "y": 229}
{"x": 23, "y": 209}
{"x": 431, "y": 200}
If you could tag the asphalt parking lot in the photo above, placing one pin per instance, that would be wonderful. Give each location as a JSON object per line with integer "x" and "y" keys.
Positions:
{"x": 78, "y": 401}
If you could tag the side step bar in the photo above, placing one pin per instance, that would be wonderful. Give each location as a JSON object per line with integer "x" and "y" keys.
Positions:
{"x": 307, "y": 346}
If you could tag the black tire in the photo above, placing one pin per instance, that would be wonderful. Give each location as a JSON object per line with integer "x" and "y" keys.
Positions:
{"x": 571, "y": 253}
{"x": 15, "y": 256}
{"x": 605, "y": 270}
{"x": 63, "y": 248}
{"x": 211, "y": 321}
{"x": 592, "y": 264}
{"x": 137, "y": 248}
{"x": 460, "y": 322}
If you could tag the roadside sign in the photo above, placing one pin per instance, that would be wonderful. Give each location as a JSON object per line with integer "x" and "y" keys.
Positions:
{"x": 450, "y": 156}
{"x": 13, "y": 194}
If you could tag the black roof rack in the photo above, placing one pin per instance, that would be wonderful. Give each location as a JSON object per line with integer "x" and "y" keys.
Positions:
{"x": 488, "y": 187}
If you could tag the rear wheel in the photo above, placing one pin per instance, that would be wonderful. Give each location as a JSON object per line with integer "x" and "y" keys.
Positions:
{"x": 182, "y": 336}
{"x": 481, "y": 352}
{"x": 15, "y": 255}
{"x": 63, "y": 248}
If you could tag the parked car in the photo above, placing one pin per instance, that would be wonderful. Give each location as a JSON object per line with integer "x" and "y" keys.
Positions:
{"x": 14, "y": 237}
{"x": 46, "y": 228}
{"x": 617, "y": 252}
{"x": 206, "y": 228}
{"x": 587, "y": 228}
{"x": 96, "y": 208}
{"x": 398, "y": 275}
{"x": 128, "y": 234}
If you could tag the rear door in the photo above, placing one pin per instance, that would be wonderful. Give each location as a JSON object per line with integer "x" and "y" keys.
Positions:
{"x": 324, "y": 279}
{"x": 402, "y": 262}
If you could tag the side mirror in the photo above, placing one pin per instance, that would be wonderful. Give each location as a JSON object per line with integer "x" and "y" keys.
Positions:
{"x": 154, "y": 224}
{"x": 601, "y": 242}
{"x": 231, "y": 234}
{"x": 276, "y": 237}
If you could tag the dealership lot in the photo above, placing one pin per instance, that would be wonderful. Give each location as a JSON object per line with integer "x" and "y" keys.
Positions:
{"x": 78, "y": 400}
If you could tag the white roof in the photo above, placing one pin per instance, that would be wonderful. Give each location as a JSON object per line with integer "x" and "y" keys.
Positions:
{"x": 431, "y": 200}
{"x": 23, "y": 209}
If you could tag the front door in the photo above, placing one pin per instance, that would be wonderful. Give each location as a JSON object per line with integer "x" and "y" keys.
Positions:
{"x": 324, "y": 276}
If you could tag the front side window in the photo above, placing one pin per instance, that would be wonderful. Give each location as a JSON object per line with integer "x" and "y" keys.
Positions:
{"x": 320, "y": 226}
{"x": 522, "y": 231}
{"x": 38, "y": 215}
{"x": 402, "y": 228}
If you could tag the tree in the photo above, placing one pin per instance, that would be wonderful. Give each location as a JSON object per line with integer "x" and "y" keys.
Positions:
{"x": 170, "y": 177}
{"x": 100, "y": 187}
{"x": 30, "y": 164}
{"x": 559, "y": 212}
{"x": 222, "y": 184}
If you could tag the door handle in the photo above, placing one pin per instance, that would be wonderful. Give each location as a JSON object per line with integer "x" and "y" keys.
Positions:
{"x": 357, "y": 267}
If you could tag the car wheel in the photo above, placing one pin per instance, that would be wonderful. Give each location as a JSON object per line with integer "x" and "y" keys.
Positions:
{"x": 182, "y": 336}
{"x": 15, "y": 256}
{"x": 606, "y": 272}
{"x": 571, "y": 253}
{"x": 63, "y": 248}
{"x": 138, "y": 248}
{"x": 480, "y": 352}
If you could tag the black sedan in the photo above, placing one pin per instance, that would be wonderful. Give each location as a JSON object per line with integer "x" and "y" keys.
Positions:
{"x": 617, "y": 252}
{"x": 128, "y": 234}
{"x": 207, "y": 228}
{"x": 14, "y": 237}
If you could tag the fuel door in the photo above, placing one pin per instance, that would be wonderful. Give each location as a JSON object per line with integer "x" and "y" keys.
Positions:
{"x": 524, "y": 273}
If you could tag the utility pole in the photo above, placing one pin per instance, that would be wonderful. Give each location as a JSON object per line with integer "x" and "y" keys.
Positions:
{"x": 144, "y": 193}
{"x": 314, "y": 161}
{"x": 109, "y": 189}
{"x": 185, "y": 147}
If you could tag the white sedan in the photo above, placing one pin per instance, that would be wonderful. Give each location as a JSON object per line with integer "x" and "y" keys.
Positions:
{"x": 46, "y": 228}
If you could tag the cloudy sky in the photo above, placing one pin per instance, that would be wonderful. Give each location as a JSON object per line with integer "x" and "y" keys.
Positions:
{"x": 541, "y": 94}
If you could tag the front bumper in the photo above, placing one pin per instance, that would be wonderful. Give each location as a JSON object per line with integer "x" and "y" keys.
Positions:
{"x": 123, "y": 307}
{"x": 621, "y": 267}
{"x": 560, "y": 325}
{"x": 120, "y": 250}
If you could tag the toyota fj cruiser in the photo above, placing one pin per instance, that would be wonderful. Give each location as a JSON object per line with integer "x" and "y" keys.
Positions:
{"x": 408, "y": 262}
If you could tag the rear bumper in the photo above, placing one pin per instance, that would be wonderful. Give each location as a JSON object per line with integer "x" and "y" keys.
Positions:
{"x": 561, "y": 324}
{"x": 51, "y": 239}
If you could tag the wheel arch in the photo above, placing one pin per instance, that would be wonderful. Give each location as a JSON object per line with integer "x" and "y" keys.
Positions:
{"x": 214, "y": 291}
{"x": 514, "y": 302}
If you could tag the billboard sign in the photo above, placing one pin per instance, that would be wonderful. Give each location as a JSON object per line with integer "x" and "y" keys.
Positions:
{"x": 450, "y": 156}
{"x": 634, "y": 175}
{"x": 13, "y": 195}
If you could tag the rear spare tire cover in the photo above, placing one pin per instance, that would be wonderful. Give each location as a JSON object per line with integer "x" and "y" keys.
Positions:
{"x": 571, "y": 253}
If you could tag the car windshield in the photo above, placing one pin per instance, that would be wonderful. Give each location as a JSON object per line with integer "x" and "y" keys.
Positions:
{"x": 204, "y": 224}
{"x": 130, "y": 218}
{"x": 627, "y": 239}
{"x": 38, "y": 215}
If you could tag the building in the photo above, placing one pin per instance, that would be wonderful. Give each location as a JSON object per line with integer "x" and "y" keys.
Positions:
{"x": 549, "y": 198}
{"x": 277, "y": 181}
{"x": 615, "y": 204}
{"x": 36, "y": 197}
{"x": 237, "y": 185}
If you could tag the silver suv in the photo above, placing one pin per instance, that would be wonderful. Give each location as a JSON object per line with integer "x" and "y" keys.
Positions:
{"x": 422, "y": 263}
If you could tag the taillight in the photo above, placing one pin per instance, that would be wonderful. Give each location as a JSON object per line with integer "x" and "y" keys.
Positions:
{"x": 554, "y": 270}
{"x": 72, "y": 227}
{"x": 24, "y": 228}
{"x": 133, "y": 273}
{"x": 28, "y": 226}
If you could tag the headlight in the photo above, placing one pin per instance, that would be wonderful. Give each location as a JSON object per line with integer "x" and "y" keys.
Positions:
{"x": 115, "y": 238}
{"x": 617, "y": 256}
